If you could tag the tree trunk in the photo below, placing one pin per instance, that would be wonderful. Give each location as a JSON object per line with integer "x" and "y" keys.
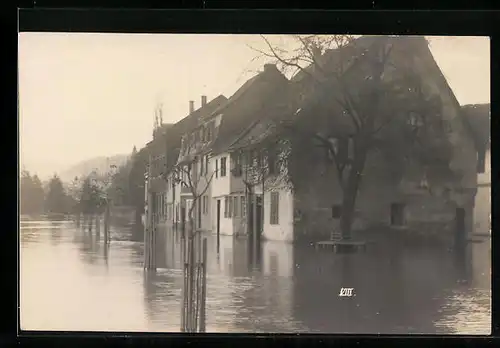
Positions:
{"x": 350, "y": 193}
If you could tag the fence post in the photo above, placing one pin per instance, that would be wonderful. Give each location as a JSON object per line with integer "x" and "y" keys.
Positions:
{"x": 106, "y": 223}
{"x": 203, "y": 288}
{"x": 98, "y": 227}
{"x": 153, "y": 242}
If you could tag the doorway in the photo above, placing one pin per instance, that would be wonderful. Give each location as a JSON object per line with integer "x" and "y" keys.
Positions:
{"x": 397, "y": 214}
{"x": 259, "y": 212}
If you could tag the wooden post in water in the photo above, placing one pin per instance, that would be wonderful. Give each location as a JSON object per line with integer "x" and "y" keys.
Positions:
{"x": 90, "y": 222}
{"x": 152, "y": 244}
{"x": 98, "y": 227}
{"x": 149, "y": 217}
{"x": 255, "y": 230}
{"x": 184, "y": 288}
{"x": 106, "y": 222}
{"x": 191, "y": 260}
{"x": 149, "y": 232}
{"x": 198, "y": 274}
{"x": 203, "y": 288}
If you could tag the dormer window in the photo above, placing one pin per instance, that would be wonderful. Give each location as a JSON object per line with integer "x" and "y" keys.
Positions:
{"x": 415, "y": 120}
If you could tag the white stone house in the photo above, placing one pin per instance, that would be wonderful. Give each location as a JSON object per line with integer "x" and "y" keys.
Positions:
{"x": 253, "y": 101}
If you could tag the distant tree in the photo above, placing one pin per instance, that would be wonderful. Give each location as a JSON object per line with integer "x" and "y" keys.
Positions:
{"x": 89, "y": 197}
{"x": 56, "y": 198}
{"x": 38, "y": 195}
{"x": 31, "y": 194}
{"x": 135, "y": 184}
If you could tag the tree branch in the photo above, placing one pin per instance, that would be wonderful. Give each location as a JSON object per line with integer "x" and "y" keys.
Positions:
{"x": 326, "y": 143}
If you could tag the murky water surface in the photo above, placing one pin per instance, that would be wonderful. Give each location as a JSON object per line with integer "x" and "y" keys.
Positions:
{"x": 70, "y": 281}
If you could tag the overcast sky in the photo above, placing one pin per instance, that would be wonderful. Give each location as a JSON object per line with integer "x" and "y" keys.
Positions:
{"x": 88, "y": 95}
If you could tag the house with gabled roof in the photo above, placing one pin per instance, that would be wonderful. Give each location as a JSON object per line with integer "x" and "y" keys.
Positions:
{"x": 163, "y": 152}
{"x": 253, "y": 101}
{"x": 302, "y": 190}
{"x": 177, "y": 147}
{"x": 478, "y": 116}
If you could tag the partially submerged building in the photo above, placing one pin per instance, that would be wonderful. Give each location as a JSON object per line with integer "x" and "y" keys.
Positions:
{"x": 258, "y": 161}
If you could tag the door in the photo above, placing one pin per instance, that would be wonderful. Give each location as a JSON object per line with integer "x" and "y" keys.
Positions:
{"x": 397, "y": 214}
{"x": 259, "y": 212}
{"x": 218, "y": 224}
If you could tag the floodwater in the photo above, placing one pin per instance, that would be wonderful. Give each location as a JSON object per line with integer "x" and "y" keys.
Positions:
{"x": 69, "y": 281}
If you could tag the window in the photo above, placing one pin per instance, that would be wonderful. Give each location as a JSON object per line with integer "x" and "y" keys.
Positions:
{"x": 194, "y": 172}
{"x": 271, "y": 162}
{"x": 415, "y": 120}
{"x": 205, "y": 204}
{"x": 226, "y": 207}
{"x": 206, "y": 164}
{"x": 243, "y": 207}
{"x": 274, "y": 216}
{"x": 230, "y": 212}
{"x": 209, "y": 132}
{"x": 216, "y": 168}
{"x": 236, "y": 206}
{"x": 237, "y": 170}
{"x": 202, "y": 164}
{"x": 447, "y": 126}
{"x": 223, "y": 166}
{"x": 256, "y": 160}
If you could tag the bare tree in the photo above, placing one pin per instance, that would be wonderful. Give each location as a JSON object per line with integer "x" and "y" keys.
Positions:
{"x": 188, "y": 176}
{"x": 364, "y": 88}
{"x": 264, "y": 164}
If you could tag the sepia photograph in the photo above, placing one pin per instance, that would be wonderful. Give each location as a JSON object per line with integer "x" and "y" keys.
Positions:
{"x": 246, "y": 183}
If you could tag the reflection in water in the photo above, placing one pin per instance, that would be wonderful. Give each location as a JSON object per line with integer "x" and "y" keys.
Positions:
{"x": 87, "y": 286}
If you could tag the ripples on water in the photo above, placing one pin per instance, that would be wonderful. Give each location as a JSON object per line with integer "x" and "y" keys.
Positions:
{"x": 71, "y": 281}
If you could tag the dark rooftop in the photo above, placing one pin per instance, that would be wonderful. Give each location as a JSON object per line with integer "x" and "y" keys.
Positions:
{"x": 254, "y": 100}
{"x": 175, "y": 133}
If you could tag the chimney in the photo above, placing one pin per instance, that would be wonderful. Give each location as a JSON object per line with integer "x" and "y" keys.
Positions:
{"x": 191, "y": 106}
{"x": 203, "y": 100}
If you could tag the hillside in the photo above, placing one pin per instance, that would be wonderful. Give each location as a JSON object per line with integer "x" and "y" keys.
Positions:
{"x": 100, "y": 164}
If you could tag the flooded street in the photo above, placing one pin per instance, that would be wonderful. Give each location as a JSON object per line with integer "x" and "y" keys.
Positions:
{"x": 70, "y": 281}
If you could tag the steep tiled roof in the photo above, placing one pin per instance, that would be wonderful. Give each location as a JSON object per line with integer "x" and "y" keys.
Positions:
{"x": 299, "y": 97}
{"x": 188, "y": 123}
{"x": 305, "y": 96}
{"x": 254, "y": 100}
